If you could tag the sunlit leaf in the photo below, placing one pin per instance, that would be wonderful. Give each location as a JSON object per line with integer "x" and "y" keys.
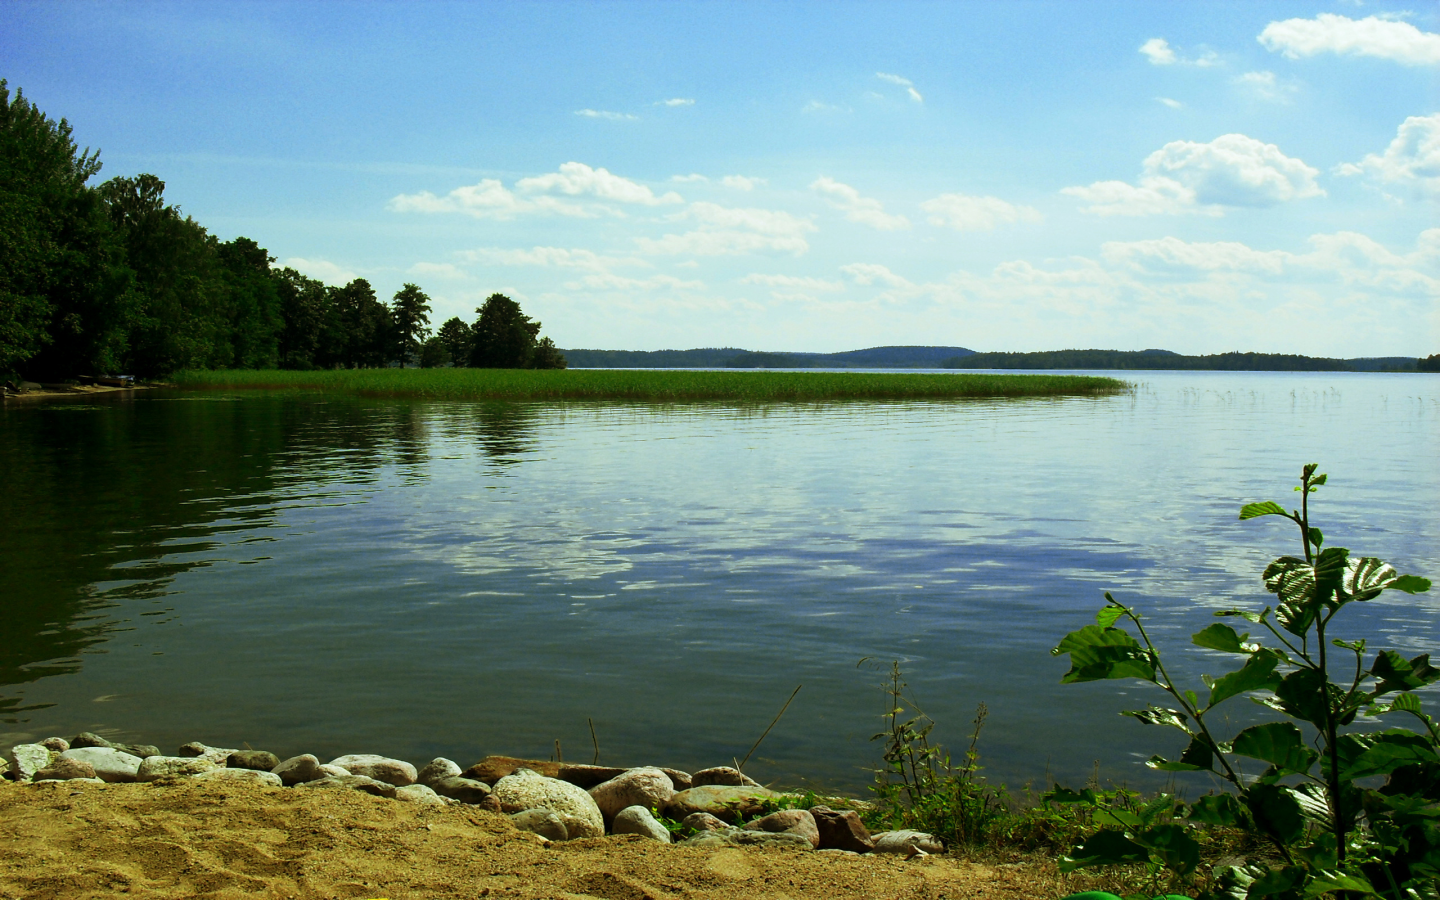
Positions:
{"x": 1159, "y": 715}
{"x": 1258, "y": 673}
{"x": 1366, "y": 576}
{"x": 1123, "y": 819}
{"x": 1108, "y": 616}
{"x": 1389, "y": 751}
{"x": 1279, "y": 743}
{"x": 1266, "y": 508}
{"x": 1327, "y": 882}
{"x": 1303, "y": 587}
{"x": 1410, "y": 584}
{"x": 1098, "y": 653}
{"x": 1245, "y": 614}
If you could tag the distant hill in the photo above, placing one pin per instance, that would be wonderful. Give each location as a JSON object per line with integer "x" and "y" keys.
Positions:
{"x": 735, "y": 358}
{"x": 897, "y": 357}
{"x": 1148, "y": 359}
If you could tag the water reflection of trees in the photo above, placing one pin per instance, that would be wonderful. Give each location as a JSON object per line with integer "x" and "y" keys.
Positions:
{"x": 506, "y": 432}
{"x": 104, "y": 505}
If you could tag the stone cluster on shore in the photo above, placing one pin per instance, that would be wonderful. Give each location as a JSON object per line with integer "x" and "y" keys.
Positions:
{"x": 718, "y": 806}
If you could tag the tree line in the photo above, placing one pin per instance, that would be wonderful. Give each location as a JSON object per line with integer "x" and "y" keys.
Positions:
{"x": 111, "y": 279}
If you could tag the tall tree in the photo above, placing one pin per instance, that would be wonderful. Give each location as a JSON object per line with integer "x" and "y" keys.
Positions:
{"x": 305, "y": 310}
{"x": 504, "y": 336}
{"x": 64, "y": 288}
{"x": 457, "y": 336}
{"x": 410, "y": 318}
{"x": 547, "y": 356}
{"x": 366, "y": 326}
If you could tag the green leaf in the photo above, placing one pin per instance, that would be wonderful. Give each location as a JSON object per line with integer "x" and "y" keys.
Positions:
{"x": 1316, "y": 537}
{"x": 1245, "y": 614}
{"x": 1276, "y": 881}
{"x": 1159, "y": 715}
{"x": 1326, "y": 882}
{"x": 1276, "y": 811}
{"x": 1279, "y": 743}
{"x": 1099, "y": 653}
{"x": 1199, "y": 756}
{"x": 1104, "y": 848}
{"x": 1174, "y": 847}
{"x": 1304, "y": 587}
{"x": 1266, "y": 508}
{"x": 1389, "y": 751}
{"x": 1123, "y": 819}
{"x": 1222, "y": 638}
{"x": 1257, "y": 674}
{"x": 1410, "y": 584}
{"x": 1405, "y": 703}
{"x": 1366, "y": 576}
{"x": 1303, "y": 694}
{"x": 1396, "y": 673}
{"x": 1108, "y": 616}
{"x": 1218, "y": 809}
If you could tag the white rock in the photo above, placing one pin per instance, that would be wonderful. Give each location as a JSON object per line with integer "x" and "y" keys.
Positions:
{"x": 110, "y": 765}
{"x": 243, "y": 776}
{"x": 907, "y": 841}
{"x": 153, "y": 768}
{"x": 527, "y": 789}
{"x": 638, "y": 820}
{"x": 27, "y": 759}
{"x": 436, "y": 769}
{"x": 647, "y": 786}
{"x": 381, "y": 768}
{"x": 543, "y": 822}
{"x": 418, "y": 793}
{"x": 329, "y": 771}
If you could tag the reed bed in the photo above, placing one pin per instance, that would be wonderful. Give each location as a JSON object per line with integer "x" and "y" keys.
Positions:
{"x": 651, "y": 385}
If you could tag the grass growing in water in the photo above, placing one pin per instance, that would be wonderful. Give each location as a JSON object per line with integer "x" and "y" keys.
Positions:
{"x": 651, "y": 385}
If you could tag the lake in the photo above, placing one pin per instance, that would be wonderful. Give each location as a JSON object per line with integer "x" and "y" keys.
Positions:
{"x": 307, "y": 573}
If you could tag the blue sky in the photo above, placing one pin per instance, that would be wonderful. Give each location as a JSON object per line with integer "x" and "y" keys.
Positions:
{"x": 1201, "y": 177}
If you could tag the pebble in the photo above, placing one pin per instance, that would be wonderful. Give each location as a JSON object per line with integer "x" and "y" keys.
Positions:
{"x": 153, "y": 768}
{"x": 381, "y": 768}
{"x": 262, "y": 760}
{"x": 543, "y": 822}
{"x": 639, "y": 820}
{"x": 436, "y": 769}
{"x": 648, "y": 787}
{"x": 527, "y": 789}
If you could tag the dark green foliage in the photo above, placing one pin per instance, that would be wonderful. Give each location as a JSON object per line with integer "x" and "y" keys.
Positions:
{"x": 456, "y": 337}
{"x": 434, "y": 354}
{"x": 1327, "y": 830}
{"x": 1430, "y": 363}
{"x": 410, "y": 320}
{"x": 505, "y": 338}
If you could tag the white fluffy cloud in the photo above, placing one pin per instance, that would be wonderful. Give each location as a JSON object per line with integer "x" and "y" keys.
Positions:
{"x": 324, "y": 270}
{"x": 489, "y": 199}
{"x": 558, "y": 257}
{"x": 1185, "y": 176}
{"x": 865, "y": 210}
{"x": 725, "y": 231}
{"x": 1159, "y": 52}
{"x": 966, "y": 213}
{"x": 906, "y": 83}
{"x": 1371, "y": 36}
{"x": 741, "y": 182}
{"x": 1412, "y": 160}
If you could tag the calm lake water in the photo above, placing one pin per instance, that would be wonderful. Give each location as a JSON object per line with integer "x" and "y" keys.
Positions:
{"x": 330, "y": 575}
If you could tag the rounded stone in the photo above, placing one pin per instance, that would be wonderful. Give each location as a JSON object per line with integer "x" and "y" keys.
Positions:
{"x": 639, "y": 820}
{"x": 27, "y": 759}
{"x": 217, "y": 755}
{"x": 722, "y": 801}
{"x": 242, "y": 776}
{"x": 262, "y": 760}
{"x": 418, "y": 793}
{"x": 381, "y": 768}
{"x": 526, "y": 789}
{"x": 907, "y": 841}
{"x": 788, "y": 821}
{"x": 724, "y": 775}
{"x": 648, "y": 787}
{"x": 110, "y": 764}
{"x": 465, "y": 790}
{"x": 153, "y": 768}
{"x": 298, "y": 769}
{"x": 436, "y": 769}
{"x": 58, "y": 744}
{"x": 65, "y": 770}
{"x": 543, "y": 822}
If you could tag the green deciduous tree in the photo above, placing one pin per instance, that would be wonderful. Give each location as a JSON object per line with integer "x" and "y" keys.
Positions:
{"x": 410, "y": 318}
{"x": 506, "y": 338}
{"x": 457, "y": 337}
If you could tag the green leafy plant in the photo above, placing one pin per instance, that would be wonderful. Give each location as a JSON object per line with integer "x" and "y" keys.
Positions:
{"x": 1314, "y": 798}
{"x": 919, "y": 786}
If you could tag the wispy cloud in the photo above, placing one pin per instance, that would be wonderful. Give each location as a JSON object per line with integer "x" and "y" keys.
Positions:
{"x": 606, "y": 114}
{"x": 966, "y": 213}
{"x": 725, "y": 231}
{"x": 1265, "y": 86}
{"x": 1160, "y": 53}
{"x": 906, "y": 83}
{"x": 741, "y": 182}
{"x": 865, "y": 210}
{"x": 489, "y": 199}
{"x": 815, "y": 106}
{"x": 677, "y": 101}
{"x": 1371, "y": 36}
{"x": 557, "y": 257}
{"x": 324, "y": 270}
{"x": 1173, "y": 104}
